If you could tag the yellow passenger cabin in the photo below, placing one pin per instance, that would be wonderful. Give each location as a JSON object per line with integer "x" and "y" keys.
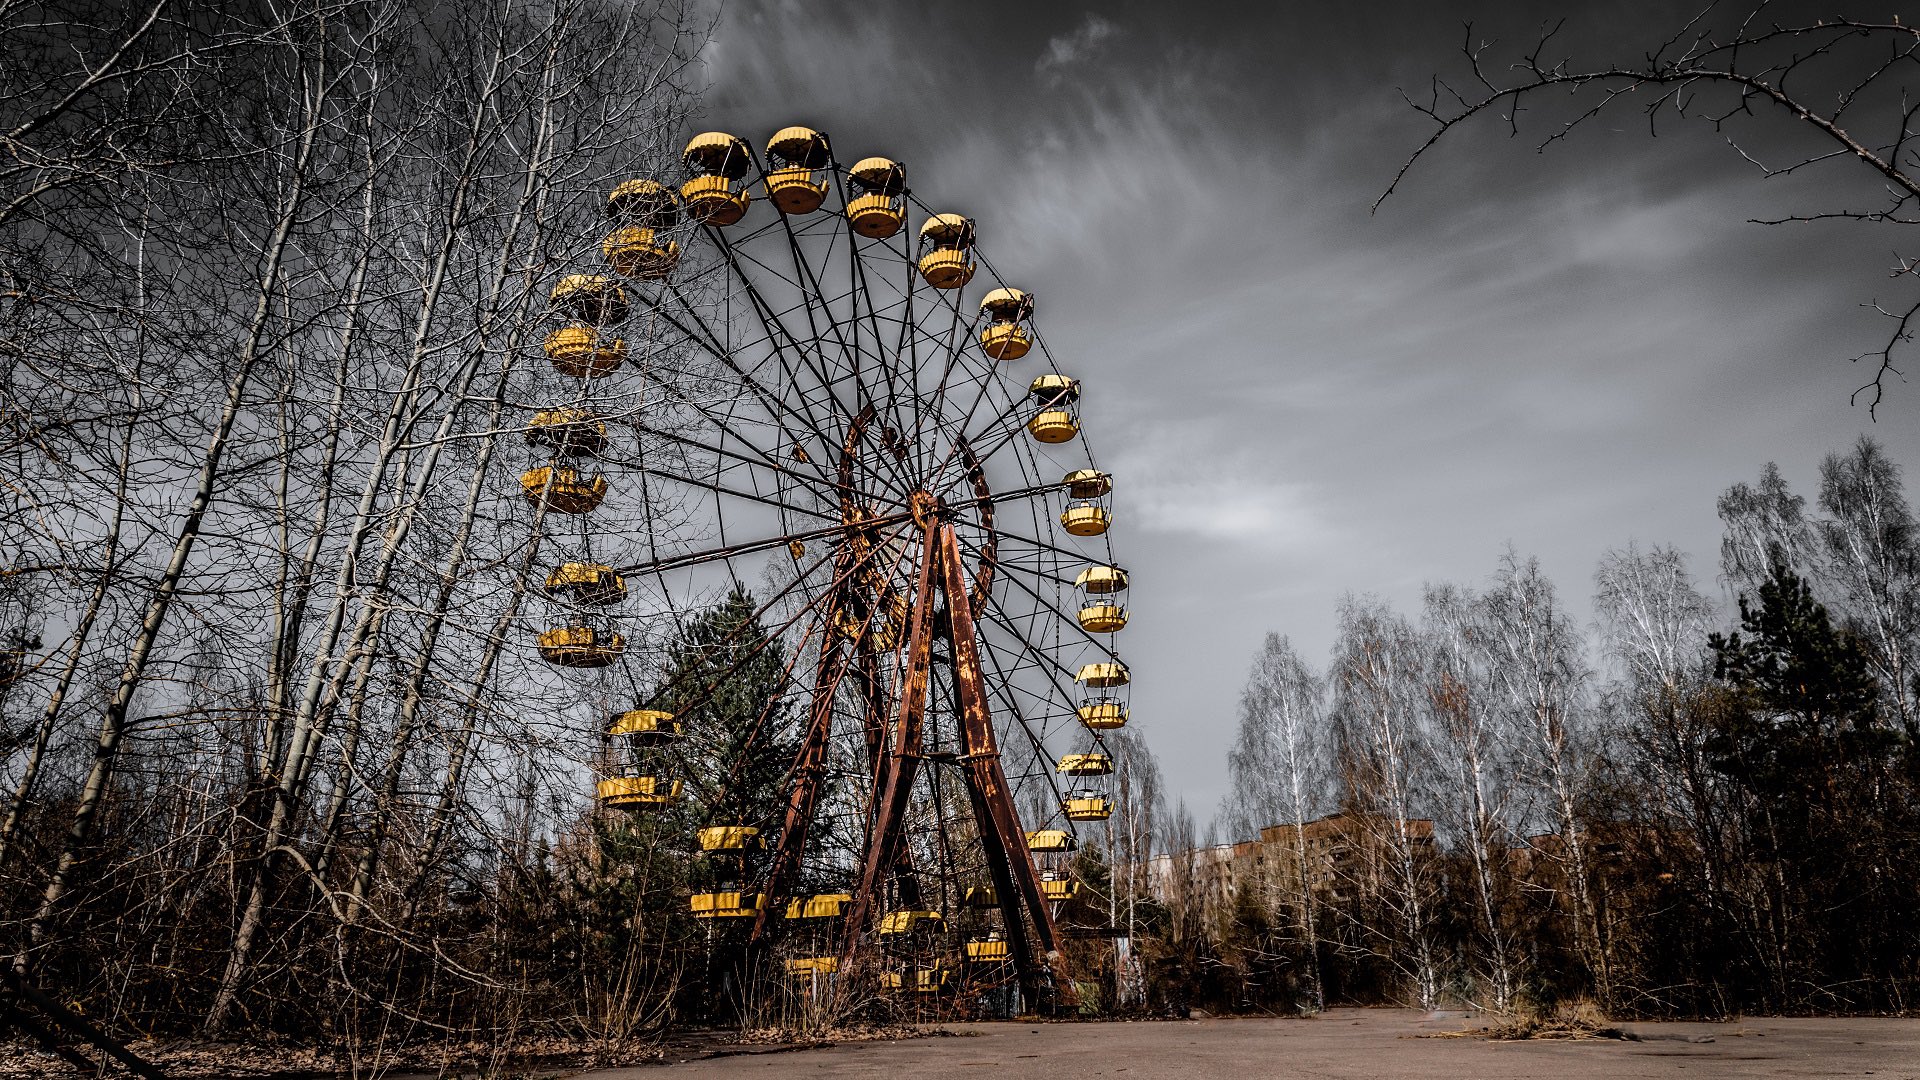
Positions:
{"x": 1087, "y": 806}
{"x": 947, "y": 244}
{"x": 796, "y": 160}
{"x": 924, "y": 980}
{"x": 563, "y": 489}
{"x": 726, "y": 905}
{"x": 590, "y": 298}
{"x": 638, "y": 792}
{"x": 1101, "y": 611}
{"x": 981, "y": 897}
{"x": 1101, "y": 580}
{"x": 584, "y": 353}
{"x": 810, "y": 966}
{"x": 644, "y": 202}
{"x": 988, "y": 950}
{"x": 568, "y": 432}
{"x": 1006, "y": 336}
{"x": 645, "y": 726}
{"x": 1059, "y": 889}
{"x": 819, "y": 906}
{"x": 881, "y": 207}
{"x": 719, "y": 162}
{"x": 1085, "y": 519}
{"x": 1085, "y": 765}
{"x": 581, "y": 646}
{"x": 639, "y": 251}
{"x": 1102, "y": 618}
{"x": 1104, "y": 675}
{"x": 586, "y": 583}
{"x": 1057, "y": 398}
{"x": 1103, "y": 715}
{"x": 1050, "y": 840}
{"x": 731, "y": 838}
{"x": 912, "y": 921}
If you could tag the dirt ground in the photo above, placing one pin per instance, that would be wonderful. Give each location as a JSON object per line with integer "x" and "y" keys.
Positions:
{"x": 1374, "y": 1044}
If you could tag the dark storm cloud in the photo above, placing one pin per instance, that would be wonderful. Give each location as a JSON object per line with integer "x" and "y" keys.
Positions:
{"x": 1300, "y": 398}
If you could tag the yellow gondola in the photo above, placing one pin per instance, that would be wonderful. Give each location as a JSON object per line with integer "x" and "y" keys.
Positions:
{"x": 912, "y": 921}
{"x": 1057, "y": 396}
{"x": 1085, "y": 519}
{"x": 1103, "y": 715}
{"x": 638, "y": 251}
{"x": 580, "y": 646}
{"x": 638, "y": 792}
{"x": 568, "y": 432}
{"x": 1087, "y": 806}
{"x": 587, "y": 583}
{"x": 1004, "y": 338}
{"x": 645, "y": 725}
{"x": 563, "y": 489}
{"x": 591, "y": 298}
{"x": 726, "y": 905}
{"x": 820, "y": 906}
{"x": 880, "y": 209}
{"x": 714, "y": 194}
{"x": 644, "y": 202}
{"x": 731, "y": 838}
{"x": 1085, "y": 765}
{"x": 796, "y": 157}
{"x": 1050, "y": 840}
{"x": 948, "y": 263}
{"x": 581, "y": 351}
{"x": 1060, "y": 889}
{"x": 988, "y": 950}
{"x": 1103, "y": 618}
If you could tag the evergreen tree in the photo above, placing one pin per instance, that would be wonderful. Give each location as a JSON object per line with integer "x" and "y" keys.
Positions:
{"x": 1805, "y": 740}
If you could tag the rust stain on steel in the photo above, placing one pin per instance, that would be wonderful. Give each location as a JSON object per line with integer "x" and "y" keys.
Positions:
{"x": 1001, "y": 821}
{"x": 898, "y": 768}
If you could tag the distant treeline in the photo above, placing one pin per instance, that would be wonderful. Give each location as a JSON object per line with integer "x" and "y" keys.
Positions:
{"x": 1679, "y": 810}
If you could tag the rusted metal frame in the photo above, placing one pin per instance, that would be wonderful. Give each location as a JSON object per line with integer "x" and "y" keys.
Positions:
{"x": 897, "y": 770}
{"x": 958, "y": 339}
{"x": 1091, "y": 638}
{"x": 769, "y": 320}
{"x": 808, "y": 766}
{"x": 764, "y": 459}
{"x": 766, "y": 642}
{"x": 810, "y": 762}
{"x": 803, "y": 267}
{"x": 983, "y": 765}
{"x": 710, "y": 343}
{"x": 694, "y": 558}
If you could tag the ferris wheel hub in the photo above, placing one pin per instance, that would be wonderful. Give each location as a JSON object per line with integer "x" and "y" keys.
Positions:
{"x": 926, "y": 508}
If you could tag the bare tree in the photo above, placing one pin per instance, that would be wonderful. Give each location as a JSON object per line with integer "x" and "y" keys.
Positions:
{"x": 1477, "y": 763}
{"x": 1873, "y": 561}
{"x": 1384, "y": 754}
{"x": 1847, "y": 81}
{"x": 1277, "y": 771}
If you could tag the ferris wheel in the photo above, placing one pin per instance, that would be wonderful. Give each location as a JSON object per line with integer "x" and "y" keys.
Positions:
{"x": 830, "y": 394}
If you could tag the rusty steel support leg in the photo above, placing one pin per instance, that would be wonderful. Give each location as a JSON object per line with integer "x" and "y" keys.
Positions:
{"x": 809, "y": 766}
{"x": 1001, "y": 820}
{"x": 894, "y": 784}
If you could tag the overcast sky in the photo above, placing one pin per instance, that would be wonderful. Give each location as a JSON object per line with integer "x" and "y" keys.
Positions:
{"x": 1300, "y": 399}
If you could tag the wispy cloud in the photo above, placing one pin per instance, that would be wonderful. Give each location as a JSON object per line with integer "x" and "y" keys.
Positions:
{"x": 1078, "y": 46}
